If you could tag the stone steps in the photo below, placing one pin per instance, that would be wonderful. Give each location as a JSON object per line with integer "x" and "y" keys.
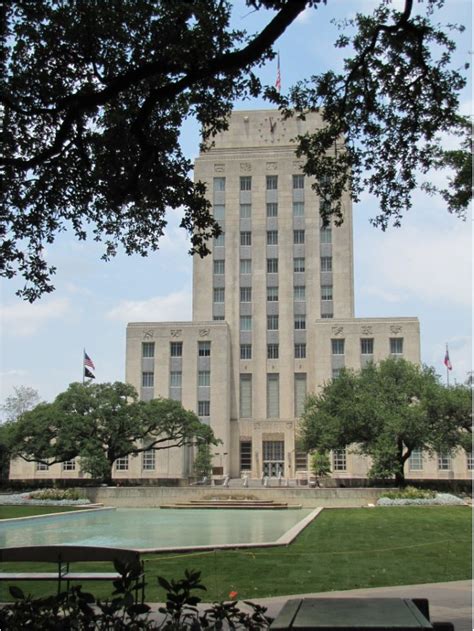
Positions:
{"x": 234, "y": 504}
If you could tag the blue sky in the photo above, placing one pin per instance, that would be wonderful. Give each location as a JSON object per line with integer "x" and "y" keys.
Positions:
{"x": 421, "y": 269}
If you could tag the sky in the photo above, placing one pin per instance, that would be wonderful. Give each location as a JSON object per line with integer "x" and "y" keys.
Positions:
{"x": 421, "y": 269}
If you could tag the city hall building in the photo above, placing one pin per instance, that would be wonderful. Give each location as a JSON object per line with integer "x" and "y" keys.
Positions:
{"x": 273, "y": 319}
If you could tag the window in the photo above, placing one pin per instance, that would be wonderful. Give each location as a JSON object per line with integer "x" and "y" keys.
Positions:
{"x": 326, "y": 263}
{"x": 326, "y": 292}
{"x": 298, "y": 265}
{"x": 121, "y": 464}
{"x": 272, "y": 237}
{"x": 149, "y": 460}
{"x": 41, "y": 466}
{"x": 219, "y": 266}
{"x": 69, "y": 465}
{"x": 301, "y": 460}
{"x": 415, "y": 461}
{"x": 299, "y": 293}
{"x": 245, "y": 396}
{"x": 272, "y": 182}
{"x": 245, "y": 238}
{"x": 337, "y": 347}
{"x": 298, "y": 209}
{"x": 469, "y": 460}
{"x": 148, "y": 349}
{"x": 245, "y": 455}
{"x": 273, "y": 395}
{"x": 204, "y": 349}
{"x": 219, "y": 184}
{"x": 147, "y": 379}
{"x": 245, "y": 323}
{"x": 298, "y": 181}
{"x": 245, "y": 211}
{"x": 245, "y": 183}
{"x": 218, "y": 317}
{"x": 272, "y": 294}
{"x": 298, "y": 236}
{"x": 204, "y": 378}
{"x": 272, "y": 209}
{"x": 176, "y": 378}
{"x": 300, "y": 392}
{"x": 300, "y": 323}
{"x": 396, "y": 345}
{"x": 245, "y": 294}
{"x": 336, "y": 372}
{"x": 272, "y": 266}
{"x": 339, "y": 460}
{"x": 326, "y": 235}
{"x": 326, "y": 316}
{"x": 272, "y": 323}
{"x": 300, "y": 351}
{"x": 444, "y": 462}
{"x": 218, "y": 294}
{"x": 204, "y": 408}
{"x": 219, "y": 211}
{"x": 245, "y": 266}
{"x": 219, "y": 241}
{"x": 367, "y": 346}
{"x": 246, "y": 351}
{"x": 273, "y": 450}
{"x": 272, "y": 351}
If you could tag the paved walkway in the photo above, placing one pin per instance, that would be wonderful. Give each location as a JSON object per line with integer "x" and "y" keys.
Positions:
{"x": 449, "y": 602}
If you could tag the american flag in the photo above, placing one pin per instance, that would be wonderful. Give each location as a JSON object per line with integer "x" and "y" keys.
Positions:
{"x": 447, "y": 361}
{"x": 278, "y": 79}
{"x": 88, "y": 361}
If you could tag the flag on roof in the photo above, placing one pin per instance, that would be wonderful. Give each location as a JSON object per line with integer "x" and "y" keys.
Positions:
{"x": 88, "y": 361}
{"x": 447, "y": 361}
{"x": 278, "y": 79}
{"x": 88, "y": 374}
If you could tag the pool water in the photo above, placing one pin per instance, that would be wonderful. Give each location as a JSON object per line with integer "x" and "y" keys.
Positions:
{"x": 152, "y": 528}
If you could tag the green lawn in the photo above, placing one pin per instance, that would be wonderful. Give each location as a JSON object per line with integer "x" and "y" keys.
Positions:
{"x": 342, "y": 549}
{"x": 9, "y": 512}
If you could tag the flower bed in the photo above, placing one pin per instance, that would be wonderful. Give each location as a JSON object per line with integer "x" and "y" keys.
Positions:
{"x": 440, "y": 499}
{"x": 50, "y": 497}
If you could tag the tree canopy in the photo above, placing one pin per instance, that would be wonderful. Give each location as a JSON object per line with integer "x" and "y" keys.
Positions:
{"x": 102, "y": 422}
{"x": 386, "y": 411}
{"x": 23, "y": 399}
{"x": 93, "y": 96}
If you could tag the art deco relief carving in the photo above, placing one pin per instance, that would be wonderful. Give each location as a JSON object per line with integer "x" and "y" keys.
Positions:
{"x": 395, "y": 328}
{"x": 204, "y": 332}
{"x": 175, "y": 332}
{"x": 148, "y": 334}
{"x": 219, "y": 167}
{"x": 271, "y": 166}
{"x": 367, "y": 330}
{"x": 337, "y": 330}
{"x": 245, "y": 166}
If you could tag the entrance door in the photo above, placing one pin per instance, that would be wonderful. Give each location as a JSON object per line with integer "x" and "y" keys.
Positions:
{"x": 273, "y": 458}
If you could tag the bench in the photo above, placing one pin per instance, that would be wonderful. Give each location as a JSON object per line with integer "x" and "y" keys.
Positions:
{"x": 62, "y": 556}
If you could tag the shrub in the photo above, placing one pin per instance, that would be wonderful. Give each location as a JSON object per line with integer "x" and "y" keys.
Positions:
{"x": 410, "y": 493}
{"x": 57, "y": 494}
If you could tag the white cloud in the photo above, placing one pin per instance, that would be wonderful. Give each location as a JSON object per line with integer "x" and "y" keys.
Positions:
{"x": 175, "y": 306}
{"x": 24, "y": 319}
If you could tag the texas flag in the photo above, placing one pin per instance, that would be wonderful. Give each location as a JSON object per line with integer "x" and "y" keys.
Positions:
{"x": 447, "y": 361}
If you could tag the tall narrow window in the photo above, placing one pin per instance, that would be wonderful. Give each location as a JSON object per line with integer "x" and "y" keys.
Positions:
{"x": 204, "y": 378}
{"x": 147, "y": 379}
{"x": 245, "y": 266}
{"x": 299, "y": 293}
{"x": 272, "y": 322}
{"x": 204, "y": 408}
{"x": 246, "y": 351}
{"x": 176, "y": 378}
{"x": 300, "y": 351}
{"x": 149, "y": 460}
{"x": 272, "y": 351}
{"x": 339, "y": 460}
{"x": 272, "y": 294}
{"x": 245, "y": 294}
{"x": 444, "y": 462}
{"x": 219, "y": 184}
{"x": 121, "y": 464}
{"x": 245, "y": 323}
{"x": 219, "y": 266}
{"x": 367, "y": 345}
{"x": 176, "y": 349}
{"x": 245, "y": 183}
{"x": 219, "y": 241}
{"x": 300, "y": 322}
{"x": 272, "y": 266}
{"x": 245, "y": 211}
{"x": 298, "y": 237}
{"x": 326, "y": 263}
{"x": 300, "y": 392}
{"x": 272, "y": 182}
{"x": 204, "y": 349}
{"x": 245, "y": 455}
{"x": 148, "y": 349}
{"x": 298, "y": 209}
{"x": 273, "y": 395}
{"x": 272, "y": 209}
{"x": 272, "y": 237}
{"x": 326, "y": 292}
{"x": 219, "y": 211}
{"x": 245, "y": 396}
{"x": 218, "y": 294}
{"x": 298, "y": 265}
{"x": 246, "y": 238}
{"x": 415, "y": 461}
{"x": 326, "y": 235}
{"x": 337, "y": 347}
{"x": 298, "y": 181}
{"x": 396, "y": 345}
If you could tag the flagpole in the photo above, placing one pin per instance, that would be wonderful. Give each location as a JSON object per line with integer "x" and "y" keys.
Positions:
{"x": 447, "y": 366}
{"x": 83, "y": 371}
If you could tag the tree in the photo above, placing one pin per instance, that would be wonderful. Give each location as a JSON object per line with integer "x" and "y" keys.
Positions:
{"x": 385, "y": 412}
{"x": 93, "y": 96}
{"x": 102, "y": 422}
{"x": 320, "y": 465}
{"x": 23, "y": 399}
{"x": 203, "y": 461}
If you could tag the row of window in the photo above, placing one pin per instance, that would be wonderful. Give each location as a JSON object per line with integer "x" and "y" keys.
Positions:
{"x": 299, "y": 265}
{"x": 299, "y": 294}
{"x": 367, "y": 346}
{"x": 245, "y": 212}
{"x": 273, "y": 322}
{"x": 272, "y": 238}
{"x": 176, "y": 349}
{"x": 273, "y": 394}
{"x": 273, "y": 351}
{"x": 245, "y": 183}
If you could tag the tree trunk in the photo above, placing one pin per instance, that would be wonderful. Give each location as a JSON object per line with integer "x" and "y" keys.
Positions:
{"x": 400, "y": 474}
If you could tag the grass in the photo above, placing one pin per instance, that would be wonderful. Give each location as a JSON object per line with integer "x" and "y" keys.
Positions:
{"x": 342, "y": 549}
{"x": 10, "y": 512}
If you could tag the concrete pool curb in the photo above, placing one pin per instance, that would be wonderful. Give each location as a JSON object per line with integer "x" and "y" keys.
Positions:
{"x": 288, "y": 537}
{"x": 93, "y": 508}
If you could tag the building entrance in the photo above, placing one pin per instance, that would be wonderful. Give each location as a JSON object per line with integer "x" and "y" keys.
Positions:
{"x": 273, "y": 458}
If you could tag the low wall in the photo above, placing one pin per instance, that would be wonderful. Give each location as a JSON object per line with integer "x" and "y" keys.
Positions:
{"x": 148, "y": 497}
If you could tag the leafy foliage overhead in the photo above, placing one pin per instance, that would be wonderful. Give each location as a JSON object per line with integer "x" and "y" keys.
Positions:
{"x": 93, "y": 96}
{"x": 385, "y": 412}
